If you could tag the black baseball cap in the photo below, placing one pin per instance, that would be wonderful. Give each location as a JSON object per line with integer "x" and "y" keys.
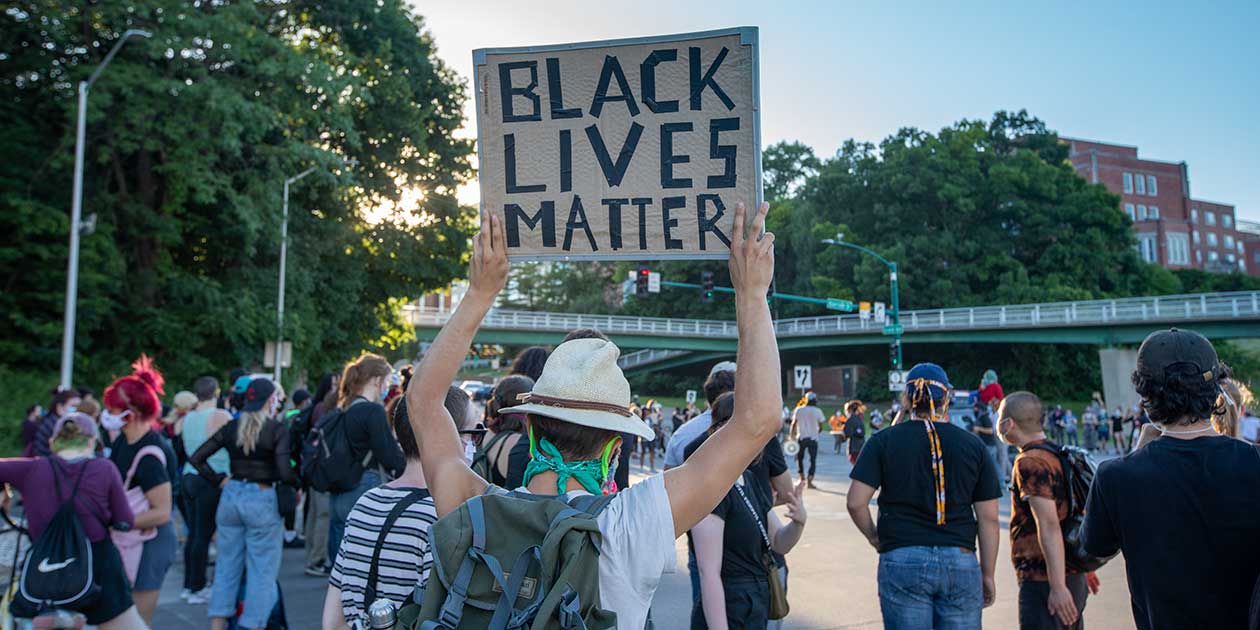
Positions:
{"x": 256, "y": 395}
{"x": 1167, "y": 349}
{"x": 300, "y": 396}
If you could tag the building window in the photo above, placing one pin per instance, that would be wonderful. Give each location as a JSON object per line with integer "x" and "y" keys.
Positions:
{"x": 1229, "y": 242}
{"x": 1140, "y": 184}
{"x": 1196, "y": 237}
{"x": 1242, "y": 265}
{"x": 1212, "y": 257}
{"x": 1150, "y": 185}
{"x": 1128, "y": 209}
{"x": 1209, "y": 217}
{"x": 1146, "y": 247}
{"x": 1198, "y": 256}
{"x": 1211, "y": 239}
{"x": 1154, "y": 213}
{"x": 1194, "y": 215}
{"x": 1128, "y": 183}
{"x": 1255, "y": 257}
{"x": 1240, "y": 246}
{"x": 1230, "y": 257}
{"x": 1227, "y": 220}
{"x": 1141, "y": 213}
{"x": 1178, "y": 249}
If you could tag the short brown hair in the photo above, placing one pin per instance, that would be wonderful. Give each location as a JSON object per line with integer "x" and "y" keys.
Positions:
{"x": 576, "y": 442}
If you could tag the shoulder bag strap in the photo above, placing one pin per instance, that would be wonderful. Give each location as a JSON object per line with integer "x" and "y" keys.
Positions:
{"x": 748, "y": 504}
{"x": 150, "y": 450}
{"x": 369, "y": 589}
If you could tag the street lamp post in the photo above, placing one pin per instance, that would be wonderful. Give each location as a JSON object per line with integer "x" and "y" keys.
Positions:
{"x": 892, "y": 278}
{"x": 76, "y": 213}
{"x": 284, "y": 254}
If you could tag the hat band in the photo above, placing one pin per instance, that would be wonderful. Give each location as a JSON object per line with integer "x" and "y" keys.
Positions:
{"x": 566, "y": 403}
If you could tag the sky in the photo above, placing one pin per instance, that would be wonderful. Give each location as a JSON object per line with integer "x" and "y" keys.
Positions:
{"x": 1179, "y": 81}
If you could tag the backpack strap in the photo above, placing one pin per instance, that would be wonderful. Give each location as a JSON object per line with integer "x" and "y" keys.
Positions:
{"x": 369, "y": 589}
{"x": 457, "y": 594}
{"x": 1066, "y": 464}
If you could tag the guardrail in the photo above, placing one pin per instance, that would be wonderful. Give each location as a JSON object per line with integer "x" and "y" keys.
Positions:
{"x": 1160, "y": 309}
{"x": 651, "y": 355}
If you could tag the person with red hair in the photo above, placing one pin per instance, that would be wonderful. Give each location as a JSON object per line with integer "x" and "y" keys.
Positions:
{"x": 146, "y": 461}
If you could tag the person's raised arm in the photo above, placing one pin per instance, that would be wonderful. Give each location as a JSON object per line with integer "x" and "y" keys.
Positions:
{"x": 700, "y": 483}
{"x": 450, "y": 480}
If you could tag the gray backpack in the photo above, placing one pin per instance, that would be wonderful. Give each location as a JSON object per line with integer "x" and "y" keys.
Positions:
{"x": 510, "y": 561}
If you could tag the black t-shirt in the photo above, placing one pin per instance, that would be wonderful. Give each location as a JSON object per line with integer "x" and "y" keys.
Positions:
{"x": 855, "y": 432}
{"x": 742, "y": 544}
{"x": 622, "y": 474}
{"x": 1117, "y": 423}
{"x": 150, "y": 473}
{"x": 769, "y": 465}
{"x": 368, "y": 430}
{"x": 1186, "y": 515}
{"x": 898, "y": 461}
{"x": 985, "y": 421}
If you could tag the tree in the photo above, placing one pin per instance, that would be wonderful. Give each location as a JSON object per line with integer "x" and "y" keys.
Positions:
{"x": 190, "y": 136}
{"x": 784, "y": 165}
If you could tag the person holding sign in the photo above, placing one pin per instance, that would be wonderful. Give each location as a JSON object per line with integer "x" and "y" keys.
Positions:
{"x": 576, "y": 413}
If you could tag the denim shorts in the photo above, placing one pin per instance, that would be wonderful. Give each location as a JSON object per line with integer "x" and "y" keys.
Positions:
{"x": 930, "y": 587}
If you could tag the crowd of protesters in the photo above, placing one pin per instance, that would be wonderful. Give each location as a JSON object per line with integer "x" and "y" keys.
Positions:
{"x": 422, "y": 510}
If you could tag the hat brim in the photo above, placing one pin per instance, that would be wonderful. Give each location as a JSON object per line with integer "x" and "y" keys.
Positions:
{"x": 588, "y": 418}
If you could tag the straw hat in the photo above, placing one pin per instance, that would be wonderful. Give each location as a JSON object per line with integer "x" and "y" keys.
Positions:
{"x": 582, "y": 384}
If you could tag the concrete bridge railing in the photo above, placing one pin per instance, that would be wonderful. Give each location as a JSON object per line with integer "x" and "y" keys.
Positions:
{"x": 1169, "y": 309}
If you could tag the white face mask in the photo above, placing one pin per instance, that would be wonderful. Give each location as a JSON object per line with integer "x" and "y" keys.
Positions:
{"x": 113, "y": 422}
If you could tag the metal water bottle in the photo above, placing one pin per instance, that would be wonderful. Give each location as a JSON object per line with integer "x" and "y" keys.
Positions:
{"x": 382, "y": 614}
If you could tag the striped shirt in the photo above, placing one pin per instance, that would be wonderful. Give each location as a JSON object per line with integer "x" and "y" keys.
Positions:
{"x": 405, "y": 558}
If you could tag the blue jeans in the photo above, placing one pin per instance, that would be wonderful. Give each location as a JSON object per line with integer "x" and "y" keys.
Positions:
{"x": 930, "y": 587}
{"x": 339, "y": 506}
{"x": 251, "y": 536}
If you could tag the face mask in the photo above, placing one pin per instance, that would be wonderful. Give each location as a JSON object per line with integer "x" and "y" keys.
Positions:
{"x": 381, "y": 398}
{"x": 71, "y": 409}
{"x": 470, "y": 451}
{"x": 113, "y": 422}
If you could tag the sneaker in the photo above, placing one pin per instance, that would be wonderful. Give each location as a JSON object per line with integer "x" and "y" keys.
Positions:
{"x": 316, "y": 570}
{"x": 185, "y": 594}
{"x": 200, "y": 598}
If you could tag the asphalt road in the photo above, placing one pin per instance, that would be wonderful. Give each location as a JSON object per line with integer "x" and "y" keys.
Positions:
{"x": 831, "y": 586}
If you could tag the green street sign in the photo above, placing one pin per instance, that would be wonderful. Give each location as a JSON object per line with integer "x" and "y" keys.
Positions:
{"x": 893, "y": 329}
{"x": 840, "y": 305}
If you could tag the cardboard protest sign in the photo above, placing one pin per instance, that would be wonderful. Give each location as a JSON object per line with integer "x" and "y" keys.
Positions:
{"x": 622, "y": 149}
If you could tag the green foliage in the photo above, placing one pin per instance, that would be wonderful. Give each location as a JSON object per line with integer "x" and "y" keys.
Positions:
{"x": 191, "y": 135}
{"x": 784, "y": 166}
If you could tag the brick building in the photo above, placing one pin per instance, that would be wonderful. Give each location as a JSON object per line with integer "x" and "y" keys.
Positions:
{"x": 1173, "y": 228}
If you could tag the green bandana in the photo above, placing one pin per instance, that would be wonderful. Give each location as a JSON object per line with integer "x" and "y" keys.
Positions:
{"x": 591, "y": 473}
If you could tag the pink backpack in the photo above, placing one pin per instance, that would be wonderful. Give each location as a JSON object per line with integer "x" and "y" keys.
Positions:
{"x": 130, "y": 543}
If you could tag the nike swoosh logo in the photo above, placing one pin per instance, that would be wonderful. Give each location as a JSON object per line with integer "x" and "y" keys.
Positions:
{"x": 45, "y": 567}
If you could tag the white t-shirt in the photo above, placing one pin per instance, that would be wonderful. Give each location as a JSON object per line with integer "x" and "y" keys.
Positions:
{"x": 637, "y": 549}
{"x": 808, "y": 421}
{"x": 684, "y": 436}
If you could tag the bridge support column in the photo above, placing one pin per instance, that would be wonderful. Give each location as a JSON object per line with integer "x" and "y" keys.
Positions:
{"x": 1117, "y": 368}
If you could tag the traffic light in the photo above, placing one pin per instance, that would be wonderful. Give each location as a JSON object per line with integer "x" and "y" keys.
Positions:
{"x": 894, "y": 355}
{"x": 641, "y": 282}
{"x": 706, "y": 286}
